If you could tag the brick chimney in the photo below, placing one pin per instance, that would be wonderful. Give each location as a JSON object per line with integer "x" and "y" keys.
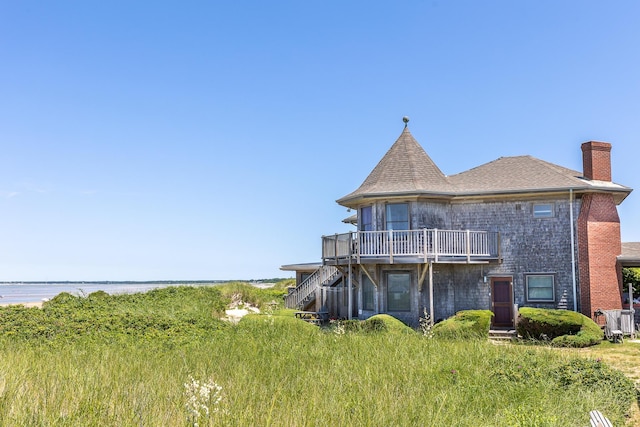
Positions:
{"x": 596, "y": 160}
{"x": 599, "y": 241}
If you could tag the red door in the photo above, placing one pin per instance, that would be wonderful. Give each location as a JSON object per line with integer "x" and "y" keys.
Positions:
{"x": 502, "y": 302}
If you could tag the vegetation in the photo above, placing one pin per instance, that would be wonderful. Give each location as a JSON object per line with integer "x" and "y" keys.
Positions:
{"x": 563, "y": 328}
{"x": 631, "y": 275}
{"x": 166, "y": 358}
{"x": 375, "y": 324}
{"x": 257, "y": 297}
{"x": 465, "y": 324}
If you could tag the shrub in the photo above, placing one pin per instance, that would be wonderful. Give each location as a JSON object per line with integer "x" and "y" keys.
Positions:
{"x": 391, "y": 324}
{"x": 563, "y": 327}
{"x": 465, "y": 324}
{"x": 97, "y": 295}
{"x": 374, "y": 324}
{"x": 352, "y": 325}
{"x": 63, "y": 298}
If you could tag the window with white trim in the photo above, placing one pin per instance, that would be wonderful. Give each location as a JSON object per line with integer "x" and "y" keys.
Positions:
{"x": 397, "y": 216}
{"x": 540, "y": 288}
{"x": 543, "y": 210}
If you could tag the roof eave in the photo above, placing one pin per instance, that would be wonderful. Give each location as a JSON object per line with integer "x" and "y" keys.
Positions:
{"x": 357, "y": 200}
{"x": 306, "y": 266}
{"x": 619, "y": 194}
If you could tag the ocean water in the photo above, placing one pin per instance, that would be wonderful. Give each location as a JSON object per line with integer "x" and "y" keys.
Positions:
{"x": 15, "y": 293}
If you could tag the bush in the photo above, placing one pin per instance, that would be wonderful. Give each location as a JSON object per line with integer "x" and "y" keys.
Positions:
{"x": 465, "y": 324}
{"x": 98, "y": 295}
{"x": 564, "y": 328}
{"x": 352, "y": 325}
{"x": 375, "y": 324}
{"x": 63, "y": 298}
{"x": 391, "y": 324}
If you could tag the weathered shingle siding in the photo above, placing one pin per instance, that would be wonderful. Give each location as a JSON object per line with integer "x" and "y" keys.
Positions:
{"x": 528, "y": 244}
{"x": 430, "y": 215}
{"x": 455, "y": 288}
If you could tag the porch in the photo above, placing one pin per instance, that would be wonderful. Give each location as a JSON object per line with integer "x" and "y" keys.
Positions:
{"x": 410, "y": 246}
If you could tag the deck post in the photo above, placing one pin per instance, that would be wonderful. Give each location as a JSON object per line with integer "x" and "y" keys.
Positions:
{"x": 391, "y": 246}
{"x": 424, "y": 243}
{"x": 436, "y": 245}
{"x": 468, "y": 246}
{"x": 633, "y": 323}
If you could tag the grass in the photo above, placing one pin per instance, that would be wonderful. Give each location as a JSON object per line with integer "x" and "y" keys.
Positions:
{"x": 624, "y": 357}
{"x": 125, "y": 361}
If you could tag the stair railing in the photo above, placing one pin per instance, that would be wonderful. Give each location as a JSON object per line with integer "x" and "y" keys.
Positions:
{"x": 322, "y": 276}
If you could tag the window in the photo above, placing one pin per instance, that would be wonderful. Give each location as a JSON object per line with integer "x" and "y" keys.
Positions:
{"x": 368, "y": 290}
{"x": 397, "y": 216}
{"x": 366, "y": 219}
{"x": 540, "y": 288}
{"x": 543, "y": 210}
{"x": 399, "y": 292}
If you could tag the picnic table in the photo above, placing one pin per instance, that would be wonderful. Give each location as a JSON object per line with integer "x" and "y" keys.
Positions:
{"x": 315, "y": 317}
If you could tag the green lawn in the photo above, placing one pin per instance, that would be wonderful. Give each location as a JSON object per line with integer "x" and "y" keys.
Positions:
{"x": 124, "y": 361}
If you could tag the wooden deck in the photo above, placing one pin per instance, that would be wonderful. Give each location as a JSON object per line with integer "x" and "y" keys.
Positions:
{"x": 411, "y": 246}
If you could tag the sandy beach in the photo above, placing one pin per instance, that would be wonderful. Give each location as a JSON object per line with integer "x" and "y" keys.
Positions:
{"x": 26, "y": 304}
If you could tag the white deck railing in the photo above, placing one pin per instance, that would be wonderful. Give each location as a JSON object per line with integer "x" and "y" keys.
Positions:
{"x": 426, "y": 244}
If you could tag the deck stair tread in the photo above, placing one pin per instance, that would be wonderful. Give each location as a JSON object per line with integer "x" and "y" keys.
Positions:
{"x": 502, "y": 334}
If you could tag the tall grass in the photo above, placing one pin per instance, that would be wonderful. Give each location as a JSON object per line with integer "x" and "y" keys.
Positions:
{"x": 275, "y": 370}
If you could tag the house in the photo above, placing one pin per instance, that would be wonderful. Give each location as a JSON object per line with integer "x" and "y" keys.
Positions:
{"x": 517, "y": 231}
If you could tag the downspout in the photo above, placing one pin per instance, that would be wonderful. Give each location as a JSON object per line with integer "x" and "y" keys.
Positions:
{"x": 349, "y": 295}
{"x": 573, "y": 252}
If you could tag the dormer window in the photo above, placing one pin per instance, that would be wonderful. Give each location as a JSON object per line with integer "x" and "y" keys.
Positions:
{"x": 397, "y": 216}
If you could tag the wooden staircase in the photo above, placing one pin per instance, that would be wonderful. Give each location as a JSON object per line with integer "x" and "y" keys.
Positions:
{"x": 305, "y": 293}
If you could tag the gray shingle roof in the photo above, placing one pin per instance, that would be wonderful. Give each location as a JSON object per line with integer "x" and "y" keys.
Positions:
{"x": 407, "y": 170}
{"x": 527, "y": 174}
{"x": 521, "y": 173}
{"x": 630, "y": 256}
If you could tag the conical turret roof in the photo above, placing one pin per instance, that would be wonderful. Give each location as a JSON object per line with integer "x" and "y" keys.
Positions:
{"x": 406, "y": 169}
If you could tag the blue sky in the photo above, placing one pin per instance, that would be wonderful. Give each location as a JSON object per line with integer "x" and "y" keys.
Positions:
{"x": 210, "y": 140}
